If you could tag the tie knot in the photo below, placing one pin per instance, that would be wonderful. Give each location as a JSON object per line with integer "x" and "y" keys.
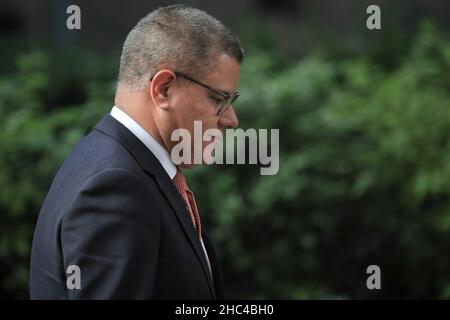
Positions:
{"x": 180, "y": 182}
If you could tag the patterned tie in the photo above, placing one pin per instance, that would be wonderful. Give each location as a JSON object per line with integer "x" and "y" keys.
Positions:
{"x": 189, "y": 200}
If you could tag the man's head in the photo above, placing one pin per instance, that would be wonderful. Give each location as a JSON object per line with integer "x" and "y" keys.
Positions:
{"x": 164, "y": 57}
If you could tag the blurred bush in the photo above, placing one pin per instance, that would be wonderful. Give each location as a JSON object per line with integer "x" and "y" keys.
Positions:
{"x": 364, "y": 170}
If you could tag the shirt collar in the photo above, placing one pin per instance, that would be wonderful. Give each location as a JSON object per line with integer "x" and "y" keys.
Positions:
{"x": 159, "y": 151}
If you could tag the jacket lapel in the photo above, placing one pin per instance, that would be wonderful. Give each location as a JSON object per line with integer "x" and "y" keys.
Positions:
{"x": 111, "y": 127}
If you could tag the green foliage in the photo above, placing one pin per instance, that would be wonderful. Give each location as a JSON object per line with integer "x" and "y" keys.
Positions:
{"x": 364, "y": 171}
{"x": 33, "y": 144}
{"x": 364, "y": 179}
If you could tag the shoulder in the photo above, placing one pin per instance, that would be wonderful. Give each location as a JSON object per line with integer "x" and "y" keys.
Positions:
{"x": 117, "y": 193}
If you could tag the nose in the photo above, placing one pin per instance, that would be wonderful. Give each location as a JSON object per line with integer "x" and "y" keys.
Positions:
{"x": 228, "y": 119}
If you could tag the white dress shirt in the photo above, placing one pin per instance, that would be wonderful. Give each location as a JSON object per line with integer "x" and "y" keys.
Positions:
{"x": 159, "y": 151}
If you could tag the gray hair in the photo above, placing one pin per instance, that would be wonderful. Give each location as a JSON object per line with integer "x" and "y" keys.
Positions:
{"x": 174, "y": 37}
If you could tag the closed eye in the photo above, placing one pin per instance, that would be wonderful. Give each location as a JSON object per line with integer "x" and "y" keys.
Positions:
{"x": 216, "y": 100}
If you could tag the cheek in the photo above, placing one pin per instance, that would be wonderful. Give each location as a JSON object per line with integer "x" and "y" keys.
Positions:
{"x": 202, "y": 110}
{"x": 195, "y": 107}
{"x": 185, "y": 111}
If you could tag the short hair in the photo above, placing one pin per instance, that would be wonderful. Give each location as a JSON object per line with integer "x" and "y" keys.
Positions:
{"x": 174, "y": 37}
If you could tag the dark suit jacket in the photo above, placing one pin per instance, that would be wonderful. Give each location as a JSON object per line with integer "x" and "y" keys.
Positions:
{"x": 113, "y": 211}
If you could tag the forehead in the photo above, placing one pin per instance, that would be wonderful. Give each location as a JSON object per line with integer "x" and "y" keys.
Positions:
{"x": 224, "y": 73}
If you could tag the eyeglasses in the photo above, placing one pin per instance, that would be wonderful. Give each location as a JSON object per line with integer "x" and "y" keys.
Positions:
{"x": 228, "y": 98}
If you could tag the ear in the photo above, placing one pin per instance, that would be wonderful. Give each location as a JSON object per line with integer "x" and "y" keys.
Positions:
{"x": 159, "y": 88}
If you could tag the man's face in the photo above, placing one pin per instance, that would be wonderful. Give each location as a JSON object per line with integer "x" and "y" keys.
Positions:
{"x": 192, "y": 102}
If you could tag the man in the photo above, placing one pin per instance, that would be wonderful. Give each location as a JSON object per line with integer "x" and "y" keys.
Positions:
{"x": 119, "y": 215}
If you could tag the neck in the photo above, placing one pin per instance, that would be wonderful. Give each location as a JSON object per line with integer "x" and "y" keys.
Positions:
{"x": 141, "y": 109}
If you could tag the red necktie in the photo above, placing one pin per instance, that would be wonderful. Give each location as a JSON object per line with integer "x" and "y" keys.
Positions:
{"x": 189, "y": 200}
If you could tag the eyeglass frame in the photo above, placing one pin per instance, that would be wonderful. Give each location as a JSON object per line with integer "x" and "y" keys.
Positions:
{"x": 229, "y": 98}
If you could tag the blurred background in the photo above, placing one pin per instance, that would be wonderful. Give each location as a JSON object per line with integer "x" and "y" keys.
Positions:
{"x": 364, "y": 119}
